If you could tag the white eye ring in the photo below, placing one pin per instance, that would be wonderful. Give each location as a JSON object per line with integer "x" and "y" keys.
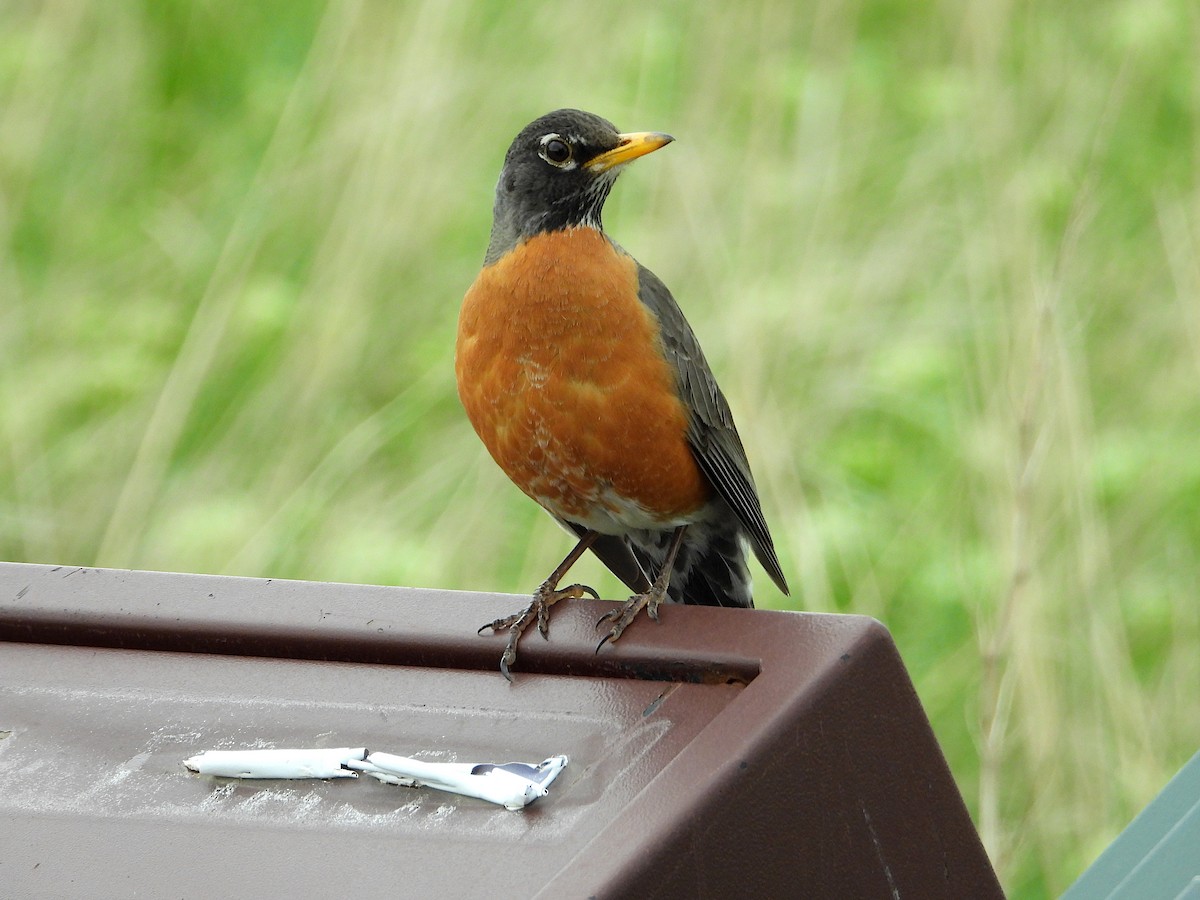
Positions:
{"x": 557, "y": 151}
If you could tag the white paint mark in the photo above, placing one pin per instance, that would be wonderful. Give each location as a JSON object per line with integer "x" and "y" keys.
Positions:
{"x": 887, "y": 870}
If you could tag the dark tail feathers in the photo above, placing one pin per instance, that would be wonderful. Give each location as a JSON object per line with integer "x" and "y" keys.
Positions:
{"x": 710, "y": 568}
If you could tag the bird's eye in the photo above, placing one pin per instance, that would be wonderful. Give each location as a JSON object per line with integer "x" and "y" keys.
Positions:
{"x": 555, "y": 150}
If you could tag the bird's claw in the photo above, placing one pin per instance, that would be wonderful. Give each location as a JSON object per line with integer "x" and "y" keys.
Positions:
{"x": 498, "y": 624}
{"x": 538, "y": 609}
{"x": 505, "y": 660}
{"x": 627, "y": 612}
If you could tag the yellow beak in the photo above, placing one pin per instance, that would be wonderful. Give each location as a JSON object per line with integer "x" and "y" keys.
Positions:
{"x": 630, "y": 147}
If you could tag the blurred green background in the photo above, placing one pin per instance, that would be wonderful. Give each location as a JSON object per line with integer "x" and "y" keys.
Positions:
{"x": 942, "y": 257}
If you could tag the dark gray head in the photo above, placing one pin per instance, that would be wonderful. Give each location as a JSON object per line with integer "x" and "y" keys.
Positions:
{"x": 557, "y": 174}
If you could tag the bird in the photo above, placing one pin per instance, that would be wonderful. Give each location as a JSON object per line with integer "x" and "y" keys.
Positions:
{"x": 588, "y": 387}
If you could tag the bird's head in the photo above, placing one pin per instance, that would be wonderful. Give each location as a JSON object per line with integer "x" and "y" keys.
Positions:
{"x": 557, "y": 174}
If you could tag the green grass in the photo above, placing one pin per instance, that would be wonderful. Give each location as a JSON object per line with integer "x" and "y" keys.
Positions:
{"x": 943, "y": 258}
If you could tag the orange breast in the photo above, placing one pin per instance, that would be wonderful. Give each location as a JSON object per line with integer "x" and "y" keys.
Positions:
{"x": 560, "y": 369}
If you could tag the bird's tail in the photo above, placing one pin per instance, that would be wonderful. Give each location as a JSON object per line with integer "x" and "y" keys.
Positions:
{"x": 710, "y": 568}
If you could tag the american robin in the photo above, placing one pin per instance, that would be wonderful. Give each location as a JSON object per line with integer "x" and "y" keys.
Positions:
{"x": 585, "y": 382}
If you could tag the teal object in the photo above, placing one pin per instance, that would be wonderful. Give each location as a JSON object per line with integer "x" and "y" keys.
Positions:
{"x": 1158, "y": 855}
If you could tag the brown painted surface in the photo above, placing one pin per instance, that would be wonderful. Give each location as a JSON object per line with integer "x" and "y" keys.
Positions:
{"x": 727, "y": 753}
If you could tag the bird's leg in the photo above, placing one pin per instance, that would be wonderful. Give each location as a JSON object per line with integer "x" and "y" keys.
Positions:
{"x": 649, "y": 600}
{"x": 544, "y": 597}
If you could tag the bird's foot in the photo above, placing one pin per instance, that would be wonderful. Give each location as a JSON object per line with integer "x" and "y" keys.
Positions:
{"x": 627, "y": 612}
{"x": 539, "y": 608}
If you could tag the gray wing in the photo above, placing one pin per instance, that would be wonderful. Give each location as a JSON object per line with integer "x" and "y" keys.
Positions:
{"x": 712, "y": 435}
